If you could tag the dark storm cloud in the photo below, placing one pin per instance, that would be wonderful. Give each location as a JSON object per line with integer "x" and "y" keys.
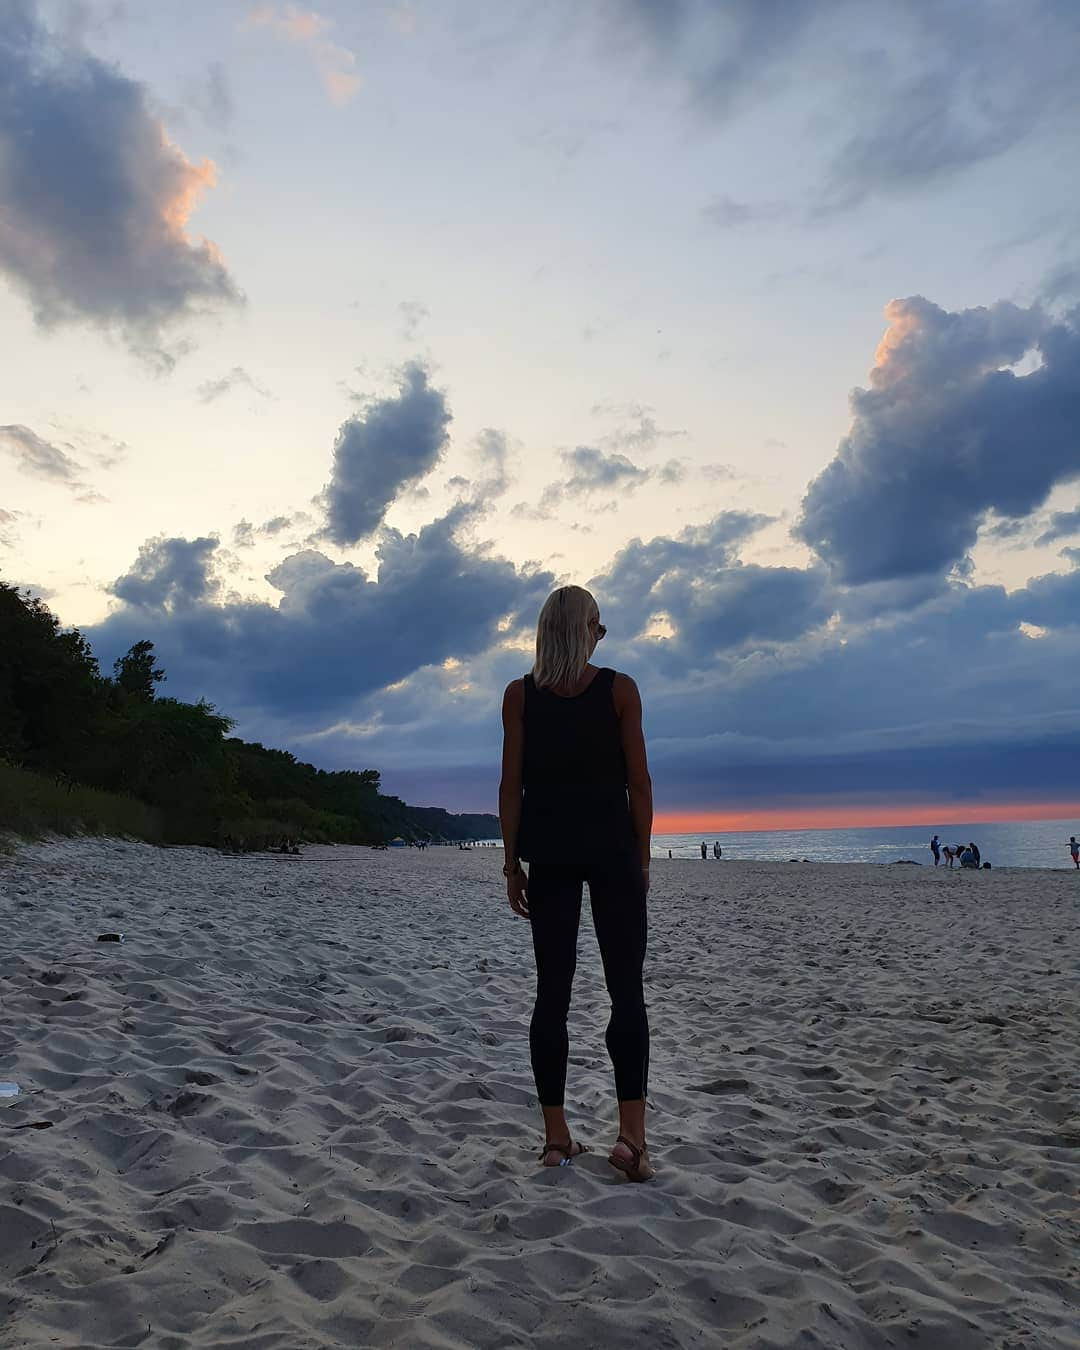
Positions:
{"x": 755, "y": 695}
{"x": 169, "y": 575}
{"x": 391, "y": 445}
{"x": 335, "y": 634}
{"x": 948, "y": 700}
{"x": 632, "y": 576}
{"x": 944, "y": 435}
{"x": 713, "y": 602}
{"x": 95, "y": 196}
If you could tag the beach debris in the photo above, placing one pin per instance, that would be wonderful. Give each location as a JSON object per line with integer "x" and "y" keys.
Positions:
{"x": 9, "y": 1092}
{"x": 110, "y": 937}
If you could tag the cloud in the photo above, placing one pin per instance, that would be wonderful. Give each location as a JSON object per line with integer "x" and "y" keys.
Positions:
{"x": 394, "y": 443}
{"x": 7, "y": 531}
{"x": 593, "y": 471}
{"x": 840, "y": 712}
{"x": 946, "y": 433}
{"x": 211, "y": 97}
{"x": 713, "y": 603}
{"x": 969, "y": 85}
{"x": 246, "y": 535}
{"x": 96, "y": 197}
{"x": 728, "y": 214}
{"x": 491, "y": 450}
{"x": 276, "y": 524}
{"x": 336, "y": 633}
{"x": 169, "y": 575}
{"x": 906, "y": 95}
{"x": 413, "y": 314}
{"x": 639, "y": 432}
{"x": 236, "y": 378}
{"x": 336, "y": 65}
{"x": 769, "y": 685}
{"x": 1062, "y": 525}
{"x": 39, "y": 458}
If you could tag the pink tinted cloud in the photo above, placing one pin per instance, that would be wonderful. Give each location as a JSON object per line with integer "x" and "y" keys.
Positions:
{"x": 336, "y": 65}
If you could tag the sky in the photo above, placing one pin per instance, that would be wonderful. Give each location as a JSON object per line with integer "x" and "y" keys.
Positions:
{"x": 335, "y": 339}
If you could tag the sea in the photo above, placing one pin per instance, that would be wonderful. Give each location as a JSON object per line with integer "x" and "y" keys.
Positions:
{"x": 1016, "y": 843}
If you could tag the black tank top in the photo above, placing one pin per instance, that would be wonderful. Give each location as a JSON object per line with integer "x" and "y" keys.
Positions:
{"x": 574, "y": 808}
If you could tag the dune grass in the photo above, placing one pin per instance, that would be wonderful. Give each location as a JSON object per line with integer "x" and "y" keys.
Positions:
{"x": 34, "y": 804}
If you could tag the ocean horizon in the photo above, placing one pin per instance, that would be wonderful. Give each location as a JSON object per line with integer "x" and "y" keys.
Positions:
{"x": 1019, "y": 843}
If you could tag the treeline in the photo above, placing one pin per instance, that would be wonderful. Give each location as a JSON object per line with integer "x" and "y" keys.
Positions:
{"x": 62, "y": 720}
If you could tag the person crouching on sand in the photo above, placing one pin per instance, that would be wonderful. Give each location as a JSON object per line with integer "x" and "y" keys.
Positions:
{"x": 575, "y": 803}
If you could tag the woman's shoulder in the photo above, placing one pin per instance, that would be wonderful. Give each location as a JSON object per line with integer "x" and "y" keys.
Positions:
{"x": 624, "y": 689}
{"x": 514, "y": 693}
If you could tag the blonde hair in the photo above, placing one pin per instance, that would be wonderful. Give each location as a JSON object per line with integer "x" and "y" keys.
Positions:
{"x": 563, "y": 641}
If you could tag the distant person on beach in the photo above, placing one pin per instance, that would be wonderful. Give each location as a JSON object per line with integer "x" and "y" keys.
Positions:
{"x": 1074, "y": 849}
{"x": 716, "y": 849}
{"x": 575, "y": 803}
{"x": 935, "y": 849}
{"x": 950, "y": 855}
{"x": 704, "y": 850}
{"x": 967, "y": 858}
{"x": 975, "y": 853}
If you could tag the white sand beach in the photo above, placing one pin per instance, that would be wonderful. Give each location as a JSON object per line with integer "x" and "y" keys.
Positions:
{"x": 294, "y": 1109}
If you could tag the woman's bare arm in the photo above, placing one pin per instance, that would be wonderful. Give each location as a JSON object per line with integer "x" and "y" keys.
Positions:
{"x": 638, "y": 782}
{"x": 513, "y": 710}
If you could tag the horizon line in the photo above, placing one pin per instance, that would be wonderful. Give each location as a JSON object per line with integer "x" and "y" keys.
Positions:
{"x": 933, "y": 815}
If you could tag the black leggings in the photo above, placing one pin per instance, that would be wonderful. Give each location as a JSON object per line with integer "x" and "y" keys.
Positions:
{"x": 617, "y": 899}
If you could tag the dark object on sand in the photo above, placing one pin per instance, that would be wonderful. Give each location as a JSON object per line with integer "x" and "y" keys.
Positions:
{"x": 986, "y": 867}
{"x": 110, "y": 937}
{"x": 906, "y": 862}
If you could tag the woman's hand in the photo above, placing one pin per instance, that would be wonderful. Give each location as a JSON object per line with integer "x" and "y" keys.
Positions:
{"x": 517, "y": 886}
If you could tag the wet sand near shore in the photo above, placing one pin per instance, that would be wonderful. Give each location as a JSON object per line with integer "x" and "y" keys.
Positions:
{"x": 294, "y": 1108}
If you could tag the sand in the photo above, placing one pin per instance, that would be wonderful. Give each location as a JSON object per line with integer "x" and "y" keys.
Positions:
{"x": 294, "y": 1109}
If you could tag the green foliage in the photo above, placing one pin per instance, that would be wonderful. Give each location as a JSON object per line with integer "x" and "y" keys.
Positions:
{"x": 35, "y": 804}
{"x": 135, "y": 674}
{"x": 170, "y": 760}
{"x": 49, "y": 686}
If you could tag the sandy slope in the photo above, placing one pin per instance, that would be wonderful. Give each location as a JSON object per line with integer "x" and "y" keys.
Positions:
{"x": 295, "y": 1109}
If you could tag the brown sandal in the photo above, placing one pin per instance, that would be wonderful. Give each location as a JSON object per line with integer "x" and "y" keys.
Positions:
{"x": 631, "y": 1169}
{"x": 566, "y": 1148}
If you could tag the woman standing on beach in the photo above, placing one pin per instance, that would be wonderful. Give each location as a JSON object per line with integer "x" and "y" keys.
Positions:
{"x": 575, "y": 802}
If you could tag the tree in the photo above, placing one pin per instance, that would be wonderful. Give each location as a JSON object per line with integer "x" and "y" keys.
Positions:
{"x": 135, "y": 672}
{"x": 50, "y": 687}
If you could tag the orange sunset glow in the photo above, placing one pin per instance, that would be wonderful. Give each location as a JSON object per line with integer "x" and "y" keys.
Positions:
{"x": 842, "y": 815}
